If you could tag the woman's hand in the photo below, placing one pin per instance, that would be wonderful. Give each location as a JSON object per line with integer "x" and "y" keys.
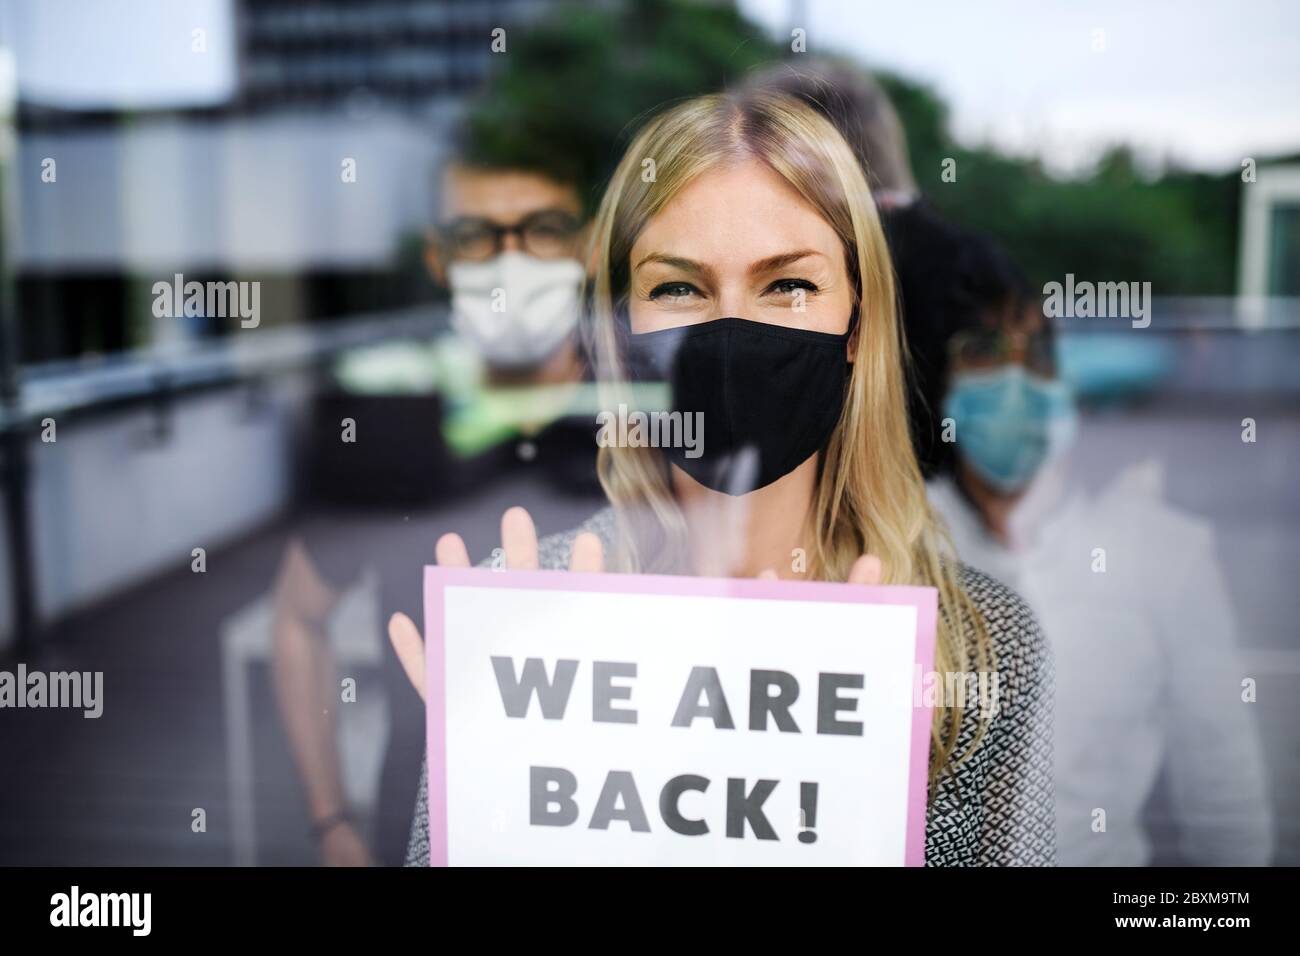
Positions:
{"x": 519, "y": 541}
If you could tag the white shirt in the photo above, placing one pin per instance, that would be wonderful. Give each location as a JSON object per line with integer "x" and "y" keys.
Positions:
{"x": 1146, "y": 672}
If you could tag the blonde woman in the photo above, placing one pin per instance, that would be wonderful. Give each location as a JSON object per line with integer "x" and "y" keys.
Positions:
{"x": 738, "y": 257}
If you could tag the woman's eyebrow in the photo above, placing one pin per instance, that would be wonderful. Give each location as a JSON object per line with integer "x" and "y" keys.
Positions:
{"x": 772, "y": 263}
{"x": 769, "y": 264}
{"x": 676, "y": 262}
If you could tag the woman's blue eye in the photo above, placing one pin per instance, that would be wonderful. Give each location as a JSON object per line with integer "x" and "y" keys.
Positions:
{"x": 674, "y": 290}
{"x": 788, "y": 286}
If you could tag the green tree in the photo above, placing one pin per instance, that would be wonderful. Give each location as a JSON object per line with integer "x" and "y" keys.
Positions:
{"x": 574, "y": 86}
{"x": 1177, "y": 229}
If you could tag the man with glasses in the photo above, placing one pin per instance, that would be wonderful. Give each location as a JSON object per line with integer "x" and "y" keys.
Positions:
{"x": 507, "y": 246}
{"x": 512, "y": 381}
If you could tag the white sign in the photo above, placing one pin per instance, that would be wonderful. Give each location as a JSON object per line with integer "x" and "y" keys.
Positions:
{"x": 603, "y": 719}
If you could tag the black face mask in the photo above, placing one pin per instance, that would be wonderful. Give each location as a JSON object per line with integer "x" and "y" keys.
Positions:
{"x": 770, "y": 396}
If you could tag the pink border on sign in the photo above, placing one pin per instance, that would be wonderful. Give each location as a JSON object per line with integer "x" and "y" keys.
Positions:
{"x": 437, "y": 578}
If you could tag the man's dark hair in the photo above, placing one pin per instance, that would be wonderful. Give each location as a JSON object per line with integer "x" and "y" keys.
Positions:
{"x": 950, "y": 281}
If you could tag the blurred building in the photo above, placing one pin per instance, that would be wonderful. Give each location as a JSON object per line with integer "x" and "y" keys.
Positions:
{"x": 1269, "y": 264}
{"x": 113, "y": 197}
{"x": 290, "y": 143}
{"x": 413, "y": 52}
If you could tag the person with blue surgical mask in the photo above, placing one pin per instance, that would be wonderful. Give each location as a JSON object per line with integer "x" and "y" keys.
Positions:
{"x": 1150, "y": 725}
{"x": 1018, "y": 415}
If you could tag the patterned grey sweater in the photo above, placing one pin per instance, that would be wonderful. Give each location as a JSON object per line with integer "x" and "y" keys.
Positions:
{"x": 997, "y": 807}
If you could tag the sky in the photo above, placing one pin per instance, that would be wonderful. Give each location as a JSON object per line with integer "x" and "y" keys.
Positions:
{"x": 107, "y": 53}
{"x": 1202, "y": 83}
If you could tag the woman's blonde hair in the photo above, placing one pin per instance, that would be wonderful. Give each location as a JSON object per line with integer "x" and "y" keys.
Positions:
{"x": 870, "y": 497}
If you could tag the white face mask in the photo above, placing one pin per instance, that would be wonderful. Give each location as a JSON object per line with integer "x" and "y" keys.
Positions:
{"x": 515, "y": 309}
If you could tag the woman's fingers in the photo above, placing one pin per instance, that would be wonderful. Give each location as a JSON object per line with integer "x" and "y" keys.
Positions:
{"x": 866, "y": 570}
{"x": 410, "y": 649}
{"x": 768, "y": 575}
{"x": 451, "y": 552}
{"x": 588, "y": 553}
{"x": 519, "y": 538}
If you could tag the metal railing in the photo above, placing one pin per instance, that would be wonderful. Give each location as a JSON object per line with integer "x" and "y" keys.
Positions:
{"x": 80, "y": 386}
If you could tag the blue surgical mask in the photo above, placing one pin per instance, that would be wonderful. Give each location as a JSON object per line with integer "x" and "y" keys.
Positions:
{"x": 1010, "y": 422}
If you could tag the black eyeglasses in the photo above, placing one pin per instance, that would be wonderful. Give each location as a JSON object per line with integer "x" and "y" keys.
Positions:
{"x": 547, "y": 234}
